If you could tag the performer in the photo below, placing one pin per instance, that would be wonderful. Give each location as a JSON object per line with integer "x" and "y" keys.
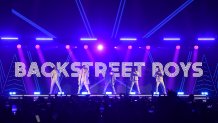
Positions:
{"x": 55, "y": 79}
{"x": 135, "y": 80}
{"x": 159, "y": 79}
{"x": 83, "y": 79}
{"x": 110, "y": 79}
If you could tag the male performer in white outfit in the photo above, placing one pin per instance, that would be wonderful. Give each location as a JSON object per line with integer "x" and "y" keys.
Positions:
{"x": 159, "y": 79}
{"x": 55, "y": 79}
{"x": 110, "y": 79}
{"x": 135, "y": 80}
{"x": 83, "y": 79}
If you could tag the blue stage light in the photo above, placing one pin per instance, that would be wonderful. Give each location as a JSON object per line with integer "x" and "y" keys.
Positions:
{"x": 9, "y": 38}
{"x": 44, "y": 39}
{"x": 14, "y": 109}
{"x": 128, "y": 39}
{"x": 88, "y": 39}
{"x": 206, "y": 39}
{"x": 171, "y": 39}
{"x": 37, "y": 93}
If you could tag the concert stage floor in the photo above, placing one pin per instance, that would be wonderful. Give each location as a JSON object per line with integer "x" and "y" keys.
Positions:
{"x": 196, "y": 97}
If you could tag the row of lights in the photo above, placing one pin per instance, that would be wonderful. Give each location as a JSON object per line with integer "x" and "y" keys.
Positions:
{"x": 109, "y": 93}
{"x": 101, "y": 47}
{"x": 121, "y": 39}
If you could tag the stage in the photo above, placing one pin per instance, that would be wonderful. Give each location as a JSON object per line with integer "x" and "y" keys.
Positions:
{"x": 150, "y": 97}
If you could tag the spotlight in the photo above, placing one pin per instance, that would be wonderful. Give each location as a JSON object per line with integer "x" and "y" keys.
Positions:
{"x": 86, "y": 47}
{"x": 178, "y": 47}
{"x": 67, "y": 46}
{"x": 115, "y": 47}
{"x": 204, "y": 93}
{"x": 108, "y": 93}
{"x": 180, "y": 93}
{"x": 148, "y": 47}
{"x": 132, "y": 93}
{"x": 37, "y": 93}
{"x": 12, "y": 93}
{"x": 84, "y": 93}
{"x": 18, "y": 46}
{"x": 60, "y": 93}
{"x": 196, "y": 47}
{"x": 156, "y": 93}
{"x": 100, "y": 47}
{"x": 130, "y": 47}
{"x": 37, "y": 46}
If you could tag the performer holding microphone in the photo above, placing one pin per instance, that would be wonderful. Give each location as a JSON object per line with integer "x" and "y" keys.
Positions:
{"x": 110, "y": 79}
{"x": 55, "y": 79}
{"x": 159, "y": 79}
{"x": 83, "y": 79}
{"x": 135, "y": 80}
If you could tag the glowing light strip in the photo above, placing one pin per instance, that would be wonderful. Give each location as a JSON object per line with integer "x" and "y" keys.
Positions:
{"x": 44, "y": 39}
{"x": 128, "y": 39}
{"x": 167, "y": 19}
{"x": 32, "y": 23}
{"x": 9, "y": 38}
{"x": 171, "y": 39}
{"x": 88, "y": 39}
{"x": 121, "y": 14}
{"x": 206, "y": 39}
{"x": 116, "y": 19}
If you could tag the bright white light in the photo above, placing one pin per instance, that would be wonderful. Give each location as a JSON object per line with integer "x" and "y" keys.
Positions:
{"x": 100, "y": 47}
{"x": 108, "y": 93}
{"x": 156, "y": 93}
{"x": 37, "y": 93}
{"x": 88, "y": 39}
{"x": 204, "y": 93}
{"x": 84, "y": 93}
{"x": 206, "y": 39}
{"x": 60, "y": 93}
{"x": 132, "y": 93}
{"x": 180, "y": 93}
{"x": 12, "y": 93}
{"x": 9, "y": 38}
{"x": 128, "y": 39}
{"x": 44, "y": 39}
{"x": 171, "y": 39}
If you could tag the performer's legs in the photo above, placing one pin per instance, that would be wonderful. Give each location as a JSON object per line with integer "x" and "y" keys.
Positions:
{"x": 112, "y": 85}
{"x": 105, "y": 87}
{"x": 87, "y": 88}
{"x": 137, "y": 85}
{"x": 51, "y": 87}
{"x": 79, "y": 88}
{"x": 164, "y": 88}
{"x": 59, "y": 87}
{"x": 157, "y": 85}
{"x": 132, "y": 84}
